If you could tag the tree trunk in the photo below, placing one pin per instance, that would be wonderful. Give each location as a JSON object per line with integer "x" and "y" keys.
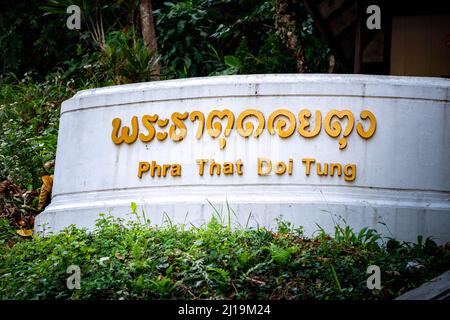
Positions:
{"x": 288, "y": 30}
{"x": 149, "y": 33}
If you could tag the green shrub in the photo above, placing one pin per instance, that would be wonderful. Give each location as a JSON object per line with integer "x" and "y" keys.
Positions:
{"x": 29, "y": 114}
{"x": 125, "y": 61}
{"x": 140, "y": 261}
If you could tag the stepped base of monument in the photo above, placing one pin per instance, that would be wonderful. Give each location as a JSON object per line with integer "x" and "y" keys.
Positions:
{"x": 402, "y": 214}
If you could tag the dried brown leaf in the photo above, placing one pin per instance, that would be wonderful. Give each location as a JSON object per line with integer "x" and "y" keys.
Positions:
{"x": 119, "y": 256}
{"x": 25, "y": 232}
{"x": 46, "y": 191}
{"x": 49, "y": 164}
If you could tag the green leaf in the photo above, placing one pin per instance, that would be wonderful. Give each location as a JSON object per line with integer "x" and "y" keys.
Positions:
{"x": 232, "y": 61}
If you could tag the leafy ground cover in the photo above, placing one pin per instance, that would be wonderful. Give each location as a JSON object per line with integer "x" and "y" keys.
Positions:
{"x": 135, "y": 260}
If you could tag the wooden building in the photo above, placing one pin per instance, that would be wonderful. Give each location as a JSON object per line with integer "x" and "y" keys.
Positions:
{"x": 414, "y": 38}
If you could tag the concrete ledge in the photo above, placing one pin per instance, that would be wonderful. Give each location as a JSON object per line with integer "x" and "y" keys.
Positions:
{"x": 436, "y": 289}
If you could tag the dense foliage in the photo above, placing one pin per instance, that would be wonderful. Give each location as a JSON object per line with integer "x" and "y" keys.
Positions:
{"x": 195, "y": 37}
{"x": 139, "y": 261}
{"x": 29, "y": 113}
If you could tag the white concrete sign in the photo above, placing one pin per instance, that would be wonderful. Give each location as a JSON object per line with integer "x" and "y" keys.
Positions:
{"x": 317, "y": 149}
